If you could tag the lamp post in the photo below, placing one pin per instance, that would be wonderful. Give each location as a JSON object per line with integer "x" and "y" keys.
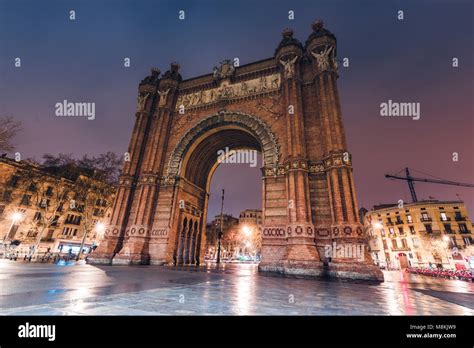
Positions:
{"x": 219, "y": 236}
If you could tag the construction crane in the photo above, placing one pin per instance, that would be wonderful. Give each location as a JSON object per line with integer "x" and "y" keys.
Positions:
{"x": 410, "y": 179}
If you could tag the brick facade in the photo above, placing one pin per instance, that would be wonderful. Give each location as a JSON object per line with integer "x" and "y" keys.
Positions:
{"x": 287, "y": 107}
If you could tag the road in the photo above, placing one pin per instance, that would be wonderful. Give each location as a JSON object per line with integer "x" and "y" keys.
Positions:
{"x": 233, "y": 289}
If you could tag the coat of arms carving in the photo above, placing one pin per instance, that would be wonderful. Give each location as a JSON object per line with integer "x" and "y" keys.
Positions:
{"x": 225, "y": 70}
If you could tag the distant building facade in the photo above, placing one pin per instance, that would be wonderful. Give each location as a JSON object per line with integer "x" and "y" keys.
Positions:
{"x": 251, "y": 217}
{"x": 49, "y": 207}
{"x": 230, "y": 226}
{"x": 423, "y": 234}
{"x": 236, "y": 232}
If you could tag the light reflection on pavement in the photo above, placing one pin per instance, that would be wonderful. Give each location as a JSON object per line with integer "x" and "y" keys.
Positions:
{"x": 232, "y": 289}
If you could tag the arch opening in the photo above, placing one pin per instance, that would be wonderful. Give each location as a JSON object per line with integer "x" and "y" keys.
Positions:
{"x": 228, "y": 142}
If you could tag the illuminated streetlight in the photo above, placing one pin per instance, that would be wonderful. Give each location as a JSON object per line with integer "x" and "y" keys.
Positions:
{"x": 377, "y": 225}
{"x": 100, "y": 227}
{"x": 246, "y": 230}
{"x": 15, "y": 217}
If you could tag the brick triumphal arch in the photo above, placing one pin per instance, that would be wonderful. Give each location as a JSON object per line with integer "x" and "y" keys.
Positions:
{"x": 287, "y": 107}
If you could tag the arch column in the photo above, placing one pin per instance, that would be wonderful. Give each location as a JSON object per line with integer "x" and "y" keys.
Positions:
{"x": 193, "y": 244}
{"x": 181, "y": 242}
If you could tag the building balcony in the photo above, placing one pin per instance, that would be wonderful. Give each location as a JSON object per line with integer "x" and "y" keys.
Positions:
{"x": 435, "y": 232}
{"x": 426, "y": 219}
{"x": 399, "y": 222}
{"x": 447, "y": 219}
{"x": 465, "y": 232}
{"x": 449, "y": 231}
{"x": 460, "y": 218}
{"x": 66, "y": 237}
{"x": 402, "y": 248}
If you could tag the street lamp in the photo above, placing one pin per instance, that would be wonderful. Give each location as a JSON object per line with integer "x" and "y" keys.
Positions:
{"x": 377, "y": 225}
{"x": 100, "y": 228}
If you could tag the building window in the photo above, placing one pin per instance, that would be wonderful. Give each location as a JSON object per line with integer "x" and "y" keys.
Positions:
{"x": 400, "y": 230}
{"x": 25, "y": 200}
{"x": 49, "y": 191}
{"x": 463, "y": 228}
{"x": 392, "y": 231}
{"x": 14, "y": 181}
{"x": 412, "y": 229}
{"x": 32, "y": 233}
{"x": 418, "y": 257}
{"x": 55, "y": 220}
{"x": 73, "y": 219}
{"x": 399, "y": 220}
{"x": 458, "y": 216}
{"x": 389, "y": 221}
{"x": 387, "y": 256}
{"x": 32, "y": 187}
{"x": 37, "y": 216}
{"x": 382, "y": 232}
{"x": 409, "y": 219}
{"x": 447, "y": 228}
{"x": 467, "y": 240}
{"x": 404, "y": 243}
{"x": 44, "y": 203}
{"x": 444, "y": 217}
{"x": 428, "y": 228}
{"x": 394, "y": 244}
{"x": 425, "y": 217}
{"x": 416, "y": 242}
{"x": 384, "y": 242}
{"x": 7, "y": 196}
{"x": 452, "y": 242}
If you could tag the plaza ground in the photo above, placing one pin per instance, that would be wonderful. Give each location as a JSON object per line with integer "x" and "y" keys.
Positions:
{"x": 232, "y": 289}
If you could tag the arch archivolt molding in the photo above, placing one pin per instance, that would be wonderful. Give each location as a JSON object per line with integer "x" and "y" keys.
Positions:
{"x": 255, "y": 126}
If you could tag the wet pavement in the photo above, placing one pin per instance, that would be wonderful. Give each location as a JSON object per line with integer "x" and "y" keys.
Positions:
{"x": 233, "y": 289}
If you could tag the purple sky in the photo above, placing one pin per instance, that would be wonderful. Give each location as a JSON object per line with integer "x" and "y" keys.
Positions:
{"x": 406, "y": 61}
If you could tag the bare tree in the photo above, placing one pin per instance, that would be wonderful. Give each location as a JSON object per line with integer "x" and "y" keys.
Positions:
{"x": 8, "y": 129}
